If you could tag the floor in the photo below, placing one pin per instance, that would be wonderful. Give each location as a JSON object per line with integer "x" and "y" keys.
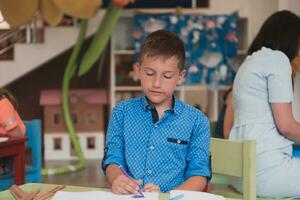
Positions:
{"x": 91, "y": 176}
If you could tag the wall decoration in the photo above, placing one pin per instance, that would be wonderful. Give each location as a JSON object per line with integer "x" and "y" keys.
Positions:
{"x": 210, "y": 42}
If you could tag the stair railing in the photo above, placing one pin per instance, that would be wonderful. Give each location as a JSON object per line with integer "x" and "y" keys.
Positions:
{"x": 23, "y": 34}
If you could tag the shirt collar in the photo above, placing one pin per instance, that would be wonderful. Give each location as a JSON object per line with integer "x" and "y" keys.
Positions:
{"x": 147, "y": 105}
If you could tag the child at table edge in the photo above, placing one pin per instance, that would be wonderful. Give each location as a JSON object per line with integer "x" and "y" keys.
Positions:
{"x": 11, "y": 124}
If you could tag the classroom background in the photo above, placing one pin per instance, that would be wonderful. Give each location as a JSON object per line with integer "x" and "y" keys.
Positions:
{"x": 34, "y": 57}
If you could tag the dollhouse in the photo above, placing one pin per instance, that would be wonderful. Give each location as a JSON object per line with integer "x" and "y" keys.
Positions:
{"x": 88, "y": 114}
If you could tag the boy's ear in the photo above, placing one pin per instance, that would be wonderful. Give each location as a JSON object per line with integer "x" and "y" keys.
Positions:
{"x": 137, "y": 69}
{"x": 181, "y": 77}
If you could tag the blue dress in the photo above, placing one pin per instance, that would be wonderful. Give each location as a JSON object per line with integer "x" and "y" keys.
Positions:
{"x": 265, "y": 78}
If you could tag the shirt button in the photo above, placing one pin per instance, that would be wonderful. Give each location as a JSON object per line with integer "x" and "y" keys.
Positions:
{"x": 178, "y": 141}
{"x": 149, "y": 171}
{"x": 152, "y": 147}
{"x": 155, "y": 125}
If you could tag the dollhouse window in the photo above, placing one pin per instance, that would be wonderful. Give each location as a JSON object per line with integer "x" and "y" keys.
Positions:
{"x": 72, "y": 149}
{"x": 56, "y": 118}
{"x": 91, "y": 118}
{"x": 75, "y": 118}
{"x": 57, "y": 143}
{"x": 91, "y": 143}
{"x": 73, "y": 99}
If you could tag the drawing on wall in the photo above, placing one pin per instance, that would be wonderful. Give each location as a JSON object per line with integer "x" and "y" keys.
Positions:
{"x": 210, "y": 42}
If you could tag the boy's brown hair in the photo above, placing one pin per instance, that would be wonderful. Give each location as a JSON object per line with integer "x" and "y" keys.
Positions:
{"x": 165, "y": 44}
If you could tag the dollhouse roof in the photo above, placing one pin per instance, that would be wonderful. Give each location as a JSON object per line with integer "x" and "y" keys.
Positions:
{"x": 90, "y": 96}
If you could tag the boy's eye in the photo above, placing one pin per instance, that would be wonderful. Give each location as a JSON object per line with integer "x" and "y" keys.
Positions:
{"x": 149, "y": 73}
{"x": 168, "y": 76}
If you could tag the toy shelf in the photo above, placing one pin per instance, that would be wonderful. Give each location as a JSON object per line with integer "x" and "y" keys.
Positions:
{"x": 123, "y": 84}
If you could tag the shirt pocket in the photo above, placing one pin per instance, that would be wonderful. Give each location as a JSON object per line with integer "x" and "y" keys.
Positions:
{"x": 177, "y": 141}
{"x": 178, "y": 146}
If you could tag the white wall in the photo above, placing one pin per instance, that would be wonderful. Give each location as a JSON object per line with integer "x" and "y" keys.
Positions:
{"x": 227, "y": 6}
{"x": 292, "y": 5}
{"x": 258, "y": 11}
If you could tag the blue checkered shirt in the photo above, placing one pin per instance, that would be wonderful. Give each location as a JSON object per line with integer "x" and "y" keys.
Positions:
{"x": 166, "y": 152}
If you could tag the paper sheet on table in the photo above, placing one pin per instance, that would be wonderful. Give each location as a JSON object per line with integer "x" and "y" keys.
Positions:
{"x": 96, "y": 195}
{"x": 190, "y": 195}
{"x": 3, "y": 139}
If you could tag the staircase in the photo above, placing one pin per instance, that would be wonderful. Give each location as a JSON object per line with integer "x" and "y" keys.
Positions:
{"x": 28, "y": 57}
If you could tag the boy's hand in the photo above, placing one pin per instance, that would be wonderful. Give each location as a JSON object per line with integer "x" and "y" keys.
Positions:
{"x": 150, "y": 187}
{"x": 124, "y": 185}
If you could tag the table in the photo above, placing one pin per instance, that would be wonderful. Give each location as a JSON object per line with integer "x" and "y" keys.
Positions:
{"x": 15, "y": 147}
{"x": 5, "y": 195}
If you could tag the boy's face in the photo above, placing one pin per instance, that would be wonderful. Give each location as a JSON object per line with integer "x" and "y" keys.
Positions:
{"x": 159, "y": 78}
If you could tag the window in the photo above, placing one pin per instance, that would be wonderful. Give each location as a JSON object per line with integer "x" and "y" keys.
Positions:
{"x": 56, "y": 118}
{"x": 57, "y": 143}
{"x": 91, "y": 118}
{"x": 72, "y": 150}
{"x": 91, "y": 143}
{"x": 73, "y": 99}
{"x": 75, "y": 118}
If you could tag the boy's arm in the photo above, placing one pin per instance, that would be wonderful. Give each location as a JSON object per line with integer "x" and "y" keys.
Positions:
{"x": 194, "y": 183}
{"x": 114, "y": 155}
{"x": 198, "y": 166}
{"x": 114, "y": 147}
{"x": 112, "y": 172}
{"x": 120, "y": 183}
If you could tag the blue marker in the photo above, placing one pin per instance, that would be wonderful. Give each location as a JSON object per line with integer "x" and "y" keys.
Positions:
{"x": 127, "y": 175}
{"x": 178, "y": 197}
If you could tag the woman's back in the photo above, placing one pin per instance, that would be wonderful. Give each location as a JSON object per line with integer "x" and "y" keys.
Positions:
{"x": 263, "y": 78}
{"x": 262, "y": 96}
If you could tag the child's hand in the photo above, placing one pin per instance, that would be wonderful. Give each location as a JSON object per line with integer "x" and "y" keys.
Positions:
{"x": 124, "y": 185}
{"x": 150, "y": 187}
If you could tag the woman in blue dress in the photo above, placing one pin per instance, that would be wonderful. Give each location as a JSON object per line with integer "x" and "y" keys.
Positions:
{"x": 262, "y": 96}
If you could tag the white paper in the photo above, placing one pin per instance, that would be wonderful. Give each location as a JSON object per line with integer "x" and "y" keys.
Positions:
{"x": 3, "y": 139}
{"x": 191, "y": 195}
{"x": 96, "y": 195}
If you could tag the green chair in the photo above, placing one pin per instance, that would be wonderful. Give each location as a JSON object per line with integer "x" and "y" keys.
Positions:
{"x": 212, "y": 128}
{"x": 233, "y": 159}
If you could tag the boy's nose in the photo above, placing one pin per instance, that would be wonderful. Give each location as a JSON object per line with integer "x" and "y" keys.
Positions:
{"x": 156, "y": 82}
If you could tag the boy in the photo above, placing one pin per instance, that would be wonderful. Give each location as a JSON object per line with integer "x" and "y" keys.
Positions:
{"x": 161, "y": 141}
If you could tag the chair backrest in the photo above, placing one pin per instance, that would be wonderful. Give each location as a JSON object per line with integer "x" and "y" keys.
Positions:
{"x": 34, "y": 138}
{"x": 236, "y": 159}
{"x": 212, "y": 128}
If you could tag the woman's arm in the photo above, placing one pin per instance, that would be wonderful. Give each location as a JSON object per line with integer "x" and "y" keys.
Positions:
{"x": 285, "y": 121}
{"x": 229, "y": 116}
